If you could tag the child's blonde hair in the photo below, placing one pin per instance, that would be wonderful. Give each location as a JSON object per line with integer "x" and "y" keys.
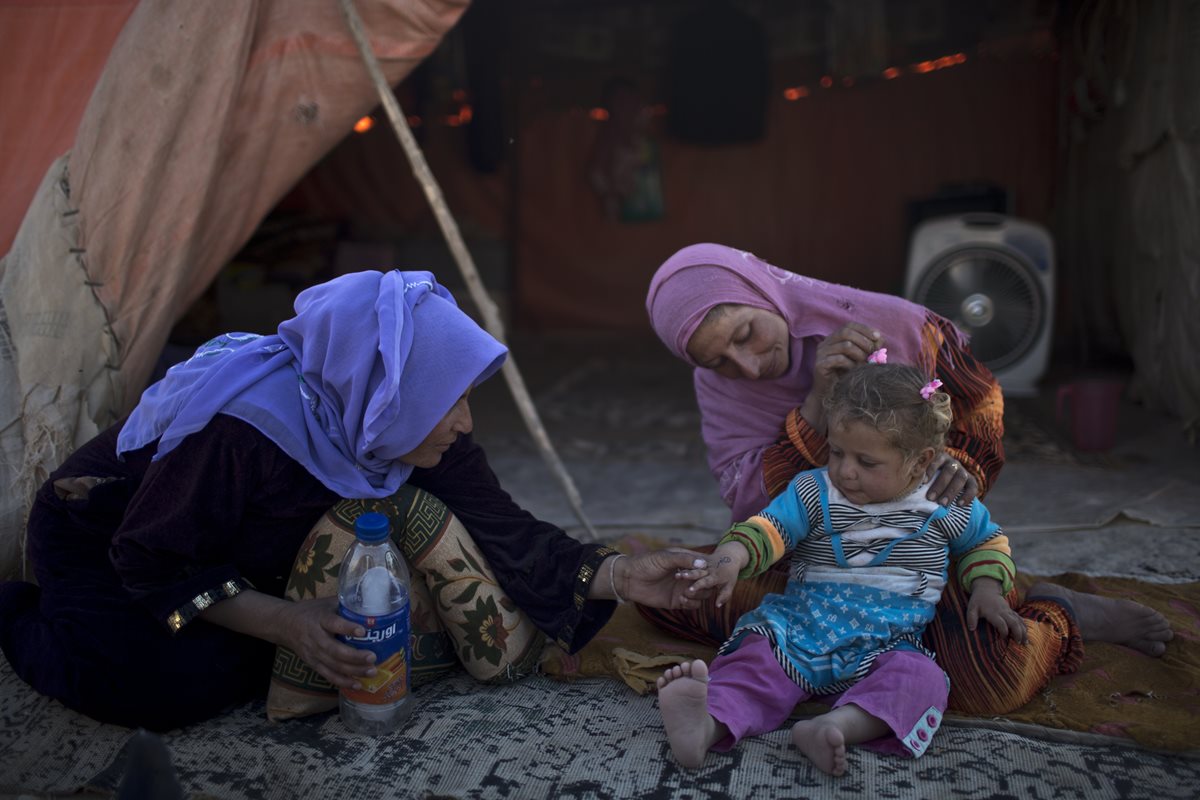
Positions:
{"x": 888, "y": 398}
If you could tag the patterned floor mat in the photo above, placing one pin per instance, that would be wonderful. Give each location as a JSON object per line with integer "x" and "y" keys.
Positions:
{"x": 542, "y": 738}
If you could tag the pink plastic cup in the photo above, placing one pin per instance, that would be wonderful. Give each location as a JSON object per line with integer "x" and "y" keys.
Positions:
{"x": 1091, "y": 405}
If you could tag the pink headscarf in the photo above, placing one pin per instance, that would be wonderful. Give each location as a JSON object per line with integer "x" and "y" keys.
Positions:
{"x": 739, "y": 418}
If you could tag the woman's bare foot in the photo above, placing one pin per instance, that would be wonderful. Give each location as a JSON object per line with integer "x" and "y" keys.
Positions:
{"x": 683, "y": 702}
{"x": 823, "y": 743}
{"x": 1108, "y": 619}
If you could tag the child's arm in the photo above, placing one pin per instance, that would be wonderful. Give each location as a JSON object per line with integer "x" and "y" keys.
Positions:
{"x": 986, "y": 570}
{"x": 750, "y": 547}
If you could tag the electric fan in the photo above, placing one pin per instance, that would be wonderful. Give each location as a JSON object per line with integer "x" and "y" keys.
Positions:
{"x": 993, "y": 276}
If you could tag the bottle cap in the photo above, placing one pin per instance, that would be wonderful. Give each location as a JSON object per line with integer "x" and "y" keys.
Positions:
{"x": 371, "y": 527}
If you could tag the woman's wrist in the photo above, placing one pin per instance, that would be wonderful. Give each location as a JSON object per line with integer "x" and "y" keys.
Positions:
{"x": 618, "y": 581}
{"x": 813, "y": 411}
{"x": 612, "y": 579}
{"x": 252, "y": 613}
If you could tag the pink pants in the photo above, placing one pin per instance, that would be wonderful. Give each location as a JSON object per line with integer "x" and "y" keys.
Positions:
{"x": 749, "y": 693}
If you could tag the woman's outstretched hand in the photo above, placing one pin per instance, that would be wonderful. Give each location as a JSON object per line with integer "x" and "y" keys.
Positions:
{"x": 660, "y": 578}
{"x": 954, "y": 482}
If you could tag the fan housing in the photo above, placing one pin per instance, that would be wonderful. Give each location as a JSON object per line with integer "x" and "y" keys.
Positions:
{"x": 993, "y": 276}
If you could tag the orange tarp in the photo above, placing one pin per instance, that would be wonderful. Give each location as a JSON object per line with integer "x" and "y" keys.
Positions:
{"x": 51, "y": 54}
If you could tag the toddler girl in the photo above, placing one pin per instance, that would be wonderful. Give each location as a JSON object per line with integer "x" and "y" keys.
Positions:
{"x": 869, "y": 559}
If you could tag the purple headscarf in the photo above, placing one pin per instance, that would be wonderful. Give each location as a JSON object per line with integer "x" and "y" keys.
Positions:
{"x": 739, "y": 418}
{"x": 369, "y": 365}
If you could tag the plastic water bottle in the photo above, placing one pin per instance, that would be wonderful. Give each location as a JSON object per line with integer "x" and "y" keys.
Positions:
{"x": 373, "y": 591}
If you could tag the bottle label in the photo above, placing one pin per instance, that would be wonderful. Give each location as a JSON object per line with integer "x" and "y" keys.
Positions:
{"x": 388, "y": 638}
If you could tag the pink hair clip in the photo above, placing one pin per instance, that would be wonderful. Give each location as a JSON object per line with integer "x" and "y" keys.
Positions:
{"x": 928, "y": 389}
{"x": 878, "y": 357}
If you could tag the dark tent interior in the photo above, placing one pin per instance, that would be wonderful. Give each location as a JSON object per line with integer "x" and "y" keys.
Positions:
{"x": 816, "y": 135}
{"x": 580, "y": 144}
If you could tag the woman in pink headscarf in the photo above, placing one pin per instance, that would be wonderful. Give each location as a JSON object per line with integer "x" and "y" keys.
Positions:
{"x": 767, "y": 345}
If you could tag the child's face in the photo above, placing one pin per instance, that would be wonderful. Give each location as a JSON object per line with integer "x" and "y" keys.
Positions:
{"x": 865, "y": 467}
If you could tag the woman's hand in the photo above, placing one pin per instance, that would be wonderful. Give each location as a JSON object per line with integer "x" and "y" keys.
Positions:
{"x": 954, "y": 482}
{"x": 659, "y": 579}
{"x": 837, "y": 352}
{"x": 987, "y": 601}
{"x": 310, "y": 629}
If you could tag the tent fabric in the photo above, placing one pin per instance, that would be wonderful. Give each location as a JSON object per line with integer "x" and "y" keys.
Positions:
{"x": 823, "y": 193}
{"x": 1157, "y": 240}
{"x": 204, "y": 116}
{"x": 1130, "y": 199}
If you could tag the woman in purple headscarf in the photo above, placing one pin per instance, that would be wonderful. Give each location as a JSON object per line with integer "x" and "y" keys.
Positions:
{"x": 767, "y": 345}
{"x": 162, "y": 548}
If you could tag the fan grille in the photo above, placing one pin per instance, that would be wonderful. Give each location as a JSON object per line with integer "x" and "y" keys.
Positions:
{"x": 992, "y": 295}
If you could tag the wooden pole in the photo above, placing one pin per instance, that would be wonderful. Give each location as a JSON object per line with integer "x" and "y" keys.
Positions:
{"x": 462, "y": 256}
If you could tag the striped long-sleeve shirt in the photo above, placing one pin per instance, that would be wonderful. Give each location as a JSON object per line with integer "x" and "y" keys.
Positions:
{"x": 863, "y": 579}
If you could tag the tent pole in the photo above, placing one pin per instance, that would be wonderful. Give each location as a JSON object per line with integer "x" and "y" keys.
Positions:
{"x": 466, "y": 264}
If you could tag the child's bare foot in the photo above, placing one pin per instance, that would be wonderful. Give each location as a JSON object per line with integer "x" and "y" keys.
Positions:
{"x": 1108, "y": 619}
{"x": 824, "y": 744}
{"x": 683, "y": 702}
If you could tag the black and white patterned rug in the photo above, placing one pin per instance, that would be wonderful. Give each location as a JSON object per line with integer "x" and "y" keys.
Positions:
{"x": 542, "y": 738}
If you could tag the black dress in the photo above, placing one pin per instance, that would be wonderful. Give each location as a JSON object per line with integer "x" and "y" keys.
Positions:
{"x": 123, "y": 569}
